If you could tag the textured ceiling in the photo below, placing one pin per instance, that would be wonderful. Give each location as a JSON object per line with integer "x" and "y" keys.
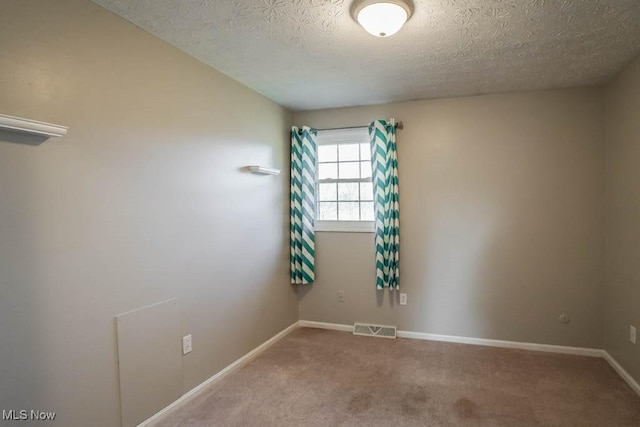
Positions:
{"x": 308, "y": 54}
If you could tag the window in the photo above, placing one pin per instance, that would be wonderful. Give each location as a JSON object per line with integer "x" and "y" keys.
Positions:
{"x": 343, "y": 180}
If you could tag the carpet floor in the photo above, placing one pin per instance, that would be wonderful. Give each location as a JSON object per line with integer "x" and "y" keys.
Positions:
{"x": 316, "y": 377}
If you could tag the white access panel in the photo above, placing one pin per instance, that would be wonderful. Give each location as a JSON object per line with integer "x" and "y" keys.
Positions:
{"x": 149, "y": 360}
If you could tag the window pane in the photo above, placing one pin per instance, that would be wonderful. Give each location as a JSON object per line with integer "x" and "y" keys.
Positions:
{"x": 349, "y": 170}
{"x": 348, "y": 211}
{"x": 349, "y": 152}
{"x": 366, "y": 169}
{"x": 365, "y": 152}
{"x": 366, "y": 211}
{"x": 328, "y": 211}
{"x": 328, "y": 171}
{"x": 327, "y": 153}
{"x": 328, "y": 192}
{"x": 366, "y": 191}
{"x": 348, "y": 191}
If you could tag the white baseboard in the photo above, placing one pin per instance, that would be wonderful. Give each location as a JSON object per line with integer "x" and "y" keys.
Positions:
{"x": 580, "y": 351}
{"x": 620, "y": 370}
{"x": 323, "y": 325}
{"x": 592, "y": 352}
{"x": 217, "y": 377}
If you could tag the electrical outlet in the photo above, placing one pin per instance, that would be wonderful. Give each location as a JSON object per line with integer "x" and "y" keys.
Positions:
{"x": 632, "y": 334}
{"x": 187, "y": 344}
{"x": 403, "y": 299}
{"x": 340, "y": 296}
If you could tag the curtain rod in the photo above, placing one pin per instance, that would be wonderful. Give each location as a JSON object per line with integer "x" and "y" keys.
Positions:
{"x": 399, "y": 125}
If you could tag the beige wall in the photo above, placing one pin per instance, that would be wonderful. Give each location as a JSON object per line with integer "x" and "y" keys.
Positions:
{"x": 501, "y": 205}
{"x": 622, "y": 285}
{"x": 142, "y": 201}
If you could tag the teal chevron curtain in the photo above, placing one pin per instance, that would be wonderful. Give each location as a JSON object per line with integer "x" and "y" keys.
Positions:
{"x": 384, "y": 162}
{"x": 303, "y": 204}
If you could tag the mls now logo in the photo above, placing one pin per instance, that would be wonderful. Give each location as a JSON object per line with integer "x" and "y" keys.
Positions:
{"x": 23, "y": 415}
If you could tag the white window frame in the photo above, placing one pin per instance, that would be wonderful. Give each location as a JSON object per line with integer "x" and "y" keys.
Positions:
{"x": 341, "y": 136}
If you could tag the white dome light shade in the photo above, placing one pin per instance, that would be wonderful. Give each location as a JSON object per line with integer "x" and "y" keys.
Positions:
{"x": 382, "y": 18}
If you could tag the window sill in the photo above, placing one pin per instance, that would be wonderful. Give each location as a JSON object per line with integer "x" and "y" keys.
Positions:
{"x": 345, "y": 226}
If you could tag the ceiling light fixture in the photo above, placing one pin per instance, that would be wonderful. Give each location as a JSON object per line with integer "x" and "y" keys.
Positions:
{"x": 382, "y": 18}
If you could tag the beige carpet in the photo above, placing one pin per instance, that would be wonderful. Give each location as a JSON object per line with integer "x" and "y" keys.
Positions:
{"x": 325, "y": 378}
